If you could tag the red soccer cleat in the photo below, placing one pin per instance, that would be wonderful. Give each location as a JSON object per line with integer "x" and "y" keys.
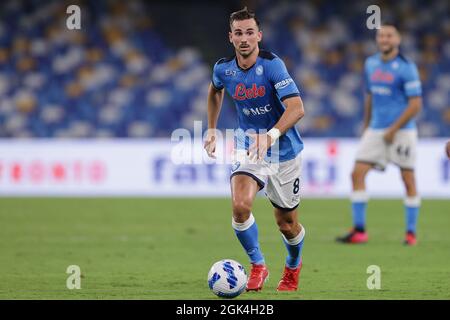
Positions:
{"x": 289, "y": 281}
{"x": 410, "y": 239}
{"x": 354, "y": 237}
{"x": 258, "y": 276}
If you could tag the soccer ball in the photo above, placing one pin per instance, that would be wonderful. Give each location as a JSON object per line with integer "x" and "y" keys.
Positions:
{"x": 227, "y": 278}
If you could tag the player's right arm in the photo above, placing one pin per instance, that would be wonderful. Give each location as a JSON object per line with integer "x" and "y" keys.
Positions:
{"x": 367, "y": 111}
{"x": 368, "y": 99}
{"x": 447, "y": 149}
{"x": 215, "y": 99}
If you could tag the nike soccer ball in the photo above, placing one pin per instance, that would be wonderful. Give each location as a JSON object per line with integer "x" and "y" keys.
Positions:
{"x": 227, "y": 278}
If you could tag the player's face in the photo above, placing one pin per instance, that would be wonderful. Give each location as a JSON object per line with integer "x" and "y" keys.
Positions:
{"x": 245, "y": 36}
{"x": 388, "y": 39}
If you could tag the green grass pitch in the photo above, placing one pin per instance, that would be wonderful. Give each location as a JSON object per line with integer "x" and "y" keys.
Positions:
{"x": 137, "y": 248}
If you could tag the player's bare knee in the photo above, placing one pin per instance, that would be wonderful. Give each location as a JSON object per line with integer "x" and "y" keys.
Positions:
{"x": 241, "y": 210}
{"x": 408, "y": 179}
{"x": 356, "y": 176}
{"x": 410, "y": 187}
{"x": 408, "y": 182}
{"x": 286, "y": 226}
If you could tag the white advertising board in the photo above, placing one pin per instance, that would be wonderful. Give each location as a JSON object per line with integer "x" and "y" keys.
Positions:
{"x": 151, "y": 168}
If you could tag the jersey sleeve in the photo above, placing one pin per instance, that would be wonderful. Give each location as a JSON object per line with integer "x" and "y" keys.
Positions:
{"x": 284, "y": 86}
{"x": 216, "y": 82}
{"x": 411, "y": 81}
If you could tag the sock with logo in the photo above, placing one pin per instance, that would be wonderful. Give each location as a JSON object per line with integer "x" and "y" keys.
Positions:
{"x": 294, "y": 247}
{"x": 247, "y": 233}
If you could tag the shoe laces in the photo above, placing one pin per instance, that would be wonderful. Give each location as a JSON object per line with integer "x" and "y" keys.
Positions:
{"x": 289, "y": 275}
{"x": 255, "y": 271}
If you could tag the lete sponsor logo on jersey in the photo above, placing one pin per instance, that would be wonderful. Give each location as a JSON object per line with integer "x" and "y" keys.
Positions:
{"x": 241, "y": 92}
{"x": 382, "y": 76}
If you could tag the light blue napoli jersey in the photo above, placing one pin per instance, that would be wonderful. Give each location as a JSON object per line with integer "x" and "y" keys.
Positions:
{"x": 258, "y": 93}
{"x": 391, "y": 84}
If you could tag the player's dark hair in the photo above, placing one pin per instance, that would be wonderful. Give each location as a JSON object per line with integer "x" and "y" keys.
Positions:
{"x": 390, "y": 23}
{"x": 243, "y": 14}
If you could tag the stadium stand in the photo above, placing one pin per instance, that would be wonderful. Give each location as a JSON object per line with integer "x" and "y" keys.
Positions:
{"x": 118, "y": 77}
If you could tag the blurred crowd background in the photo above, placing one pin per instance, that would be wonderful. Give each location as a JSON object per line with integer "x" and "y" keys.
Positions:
{"x": 142, "y": 69}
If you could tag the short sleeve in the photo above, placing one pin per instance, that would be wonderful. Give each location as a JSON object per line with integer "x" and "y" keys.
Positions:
{"x": 216, "y": 78}
{"x": 284, "y": 85}
{"x": 411, "y": 81}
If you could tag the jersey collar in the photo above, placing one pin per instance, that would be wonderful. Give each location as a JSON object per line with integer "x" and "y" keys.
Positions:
{"x": 245, "y": 70}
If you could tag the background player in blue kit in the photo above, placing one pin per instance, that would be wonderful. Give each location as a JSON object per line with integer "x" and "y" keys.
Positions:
{"x": 266, "y": 98}
{"x": 393, "y": 100}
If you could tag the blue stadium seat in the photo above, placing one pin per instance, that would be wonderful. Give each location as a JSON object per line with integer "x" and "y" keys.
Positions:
{"x": 121, "y": 79}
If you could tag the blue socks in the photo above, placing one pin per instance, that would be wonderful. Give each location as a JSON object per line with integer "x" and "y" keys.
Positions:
{"x": 359, "y": 215}
{"x": 359, "y": 205}
{"x": 412, "y": 206}
{"x": 247, "y": 233}
{"x": 294, "y": 247}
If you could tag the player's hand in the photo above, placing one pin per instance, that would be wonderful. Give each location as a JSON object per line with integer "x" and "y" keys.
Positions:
{"x": 448, "y": 149}
{"x": 210, "y": 145}
{"x": 260, "y": 145}
{"x": 389, "y": 135}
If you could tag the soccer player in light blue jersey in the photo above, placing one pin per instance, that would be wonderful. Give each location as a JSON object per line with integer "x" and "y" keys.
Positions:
{"x": 393, "y": 99}
{"x": 267, "y": 99}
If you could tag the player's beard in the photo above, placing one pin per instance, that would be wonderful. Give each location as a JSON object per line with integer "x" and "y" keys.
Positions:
{"x": 388, "y": 51}
{"x": 246, "y": 55}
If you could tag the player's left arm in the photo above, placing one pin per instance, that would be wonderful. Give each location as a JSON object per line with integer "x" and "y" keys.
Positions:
{"x": 289, "y": 95}
{"x": 447, "y": 149}
{"x": 293, "y": 113}
{"x": 414, "y": 107}
{"x": 413, "y": 90}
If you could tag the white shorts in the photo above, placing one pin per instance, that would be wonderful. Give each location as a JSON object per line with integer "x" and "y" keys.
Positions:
{"x": 282, "y": 180}
{"x": 374, "y": 150}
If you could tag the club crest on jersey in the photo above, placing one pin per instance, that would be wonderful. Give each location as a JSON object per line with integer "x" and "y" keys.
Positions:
{"x": 259, "y": 70}
{"x": 241, "y": 92}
